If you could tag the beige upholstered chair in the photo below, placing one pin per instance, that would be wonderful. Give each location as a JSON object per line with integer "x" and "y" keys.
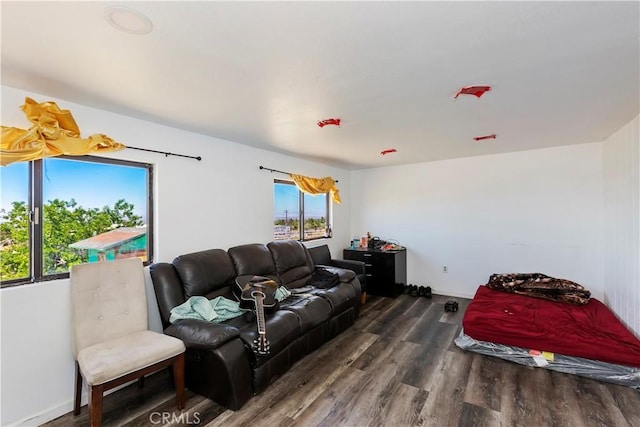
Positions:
{"x": 111, "y": 341}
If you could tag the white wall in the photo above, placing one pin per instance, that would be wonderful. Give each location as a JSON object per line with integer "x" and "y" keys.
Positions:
{"x": 222, "y": 201}
{"x": 622, "y": 223}
{"x": 535, "y": 211}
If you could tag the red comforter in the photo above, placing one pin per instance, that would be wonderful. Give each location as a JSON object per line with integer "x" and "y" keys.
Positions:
{"x": 590, "y": 331}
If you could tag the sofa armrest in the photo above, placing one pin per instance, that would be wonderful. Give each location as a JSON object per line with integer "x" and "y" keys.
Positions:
{"x": 345, "y": 275}
{"x": 355, "y": 266}
{"x": 200, "y": 334}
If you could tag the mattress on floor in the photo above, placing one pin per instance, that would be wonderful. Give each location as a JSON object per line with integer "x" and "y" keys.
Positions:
{"x": 588, "y": 331}
{"x": 602, "y": 371}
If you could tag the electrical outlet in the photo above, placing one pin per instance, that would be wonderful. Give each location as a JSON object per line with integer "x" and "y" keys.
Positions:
{"x": 445, "y": 269}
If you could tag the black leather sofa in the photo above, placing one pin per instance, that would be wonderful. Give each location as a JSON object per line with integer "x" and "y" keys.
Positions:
{"x": 220, "y": 362}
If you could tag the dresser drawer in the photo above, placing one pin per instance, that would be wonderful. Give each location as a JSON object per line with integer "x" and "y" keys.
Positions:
{"x": 385, "y": 271}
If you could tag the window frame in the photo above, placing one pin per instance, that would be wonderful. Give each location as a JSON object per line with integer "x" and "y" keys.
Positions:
{"x": 301, "y": 216}
{"x": 35, "y": 206}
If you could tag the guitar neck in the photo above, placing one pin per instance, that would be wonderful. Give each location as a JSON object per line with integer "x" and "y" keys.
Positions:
{"x": 256, "y": 293}
{"x": 262, "y": 330}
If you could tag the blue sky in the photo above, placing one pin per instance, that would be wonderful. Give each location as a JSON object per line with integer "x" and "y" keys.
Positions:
{"x": 92, "y": 185}
{"x": 286, "y": 197}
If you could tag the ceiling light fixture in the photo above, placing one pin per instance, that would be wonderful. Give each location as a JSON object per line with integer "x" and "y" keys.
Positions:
{"x": 477, "y": 90}
{"x": 128, "y": 20}
{"x": 483, "y": 138}
{"x": 334, "y": 122}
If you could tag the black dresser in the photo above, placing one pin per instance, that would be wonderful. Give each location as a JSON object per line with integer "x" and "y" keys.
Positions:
{"x": 386, "y": 271}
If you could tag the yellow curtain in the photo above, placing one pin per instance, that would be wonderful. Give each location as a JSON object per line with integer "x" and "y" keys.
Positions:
{"x": 54, "y": 132}
{"x": 317, "y": 185}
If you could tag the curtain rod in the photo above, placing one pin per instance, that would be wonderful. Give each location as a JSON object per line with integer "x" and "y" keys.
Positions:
{"x": 166, "y": 153}
{"x": 276, "y": 170}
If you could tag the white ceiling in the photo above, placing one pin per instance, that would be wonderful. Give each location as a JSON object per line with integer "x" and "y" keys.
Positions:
{"x": 264, "y": 73}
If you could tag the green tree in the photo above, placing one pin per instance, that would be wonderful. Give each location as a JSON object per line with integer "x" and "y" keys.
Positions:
{"x": 64, "y": 223}
{"x": 14, "y": 229}
{"x": 293, "y": 223}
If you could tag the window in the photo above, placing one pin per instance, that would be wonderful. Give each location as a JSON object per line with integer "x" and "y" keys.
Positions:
{"x": 299, "y": 214}
{"x": 63, "y": 211}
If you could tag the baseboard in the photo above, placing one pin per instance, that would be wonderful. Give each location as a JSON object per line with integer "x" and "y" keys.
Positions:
{"x": 45, "y": 416}
{"x": 59, "y": 410}
{"x": 448, "y": 293}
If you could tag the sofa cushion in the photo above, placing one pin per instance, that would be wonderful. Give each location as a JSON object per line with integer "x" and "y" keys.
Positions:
{"x": 292, "y": 262}
{"x": 253, "y": 259}
{"x": 341, "y": 297}
{"x": 204, "y": 272}
{"x": 311, "y": 310}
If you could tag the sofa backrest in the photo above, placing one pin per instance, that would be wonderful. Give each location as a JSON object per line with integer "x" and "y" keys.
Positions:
{"x": 292, "y": 262}
{"x": 168, "y": 288}
{"x": 320, "y": 255}
{"x": 253, "y": 259}
{"x": 212, "y": 273}
{"x": 207, "y": 273}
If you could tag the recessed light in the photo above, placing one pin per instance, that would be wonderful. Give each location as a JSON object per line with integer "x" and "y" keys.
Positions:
{"x": 127, "y": 20}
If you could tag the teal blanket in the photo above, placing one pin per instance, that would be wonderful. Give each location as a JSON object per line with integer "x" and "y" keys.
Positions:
{"x": 216, "y": 310}
{"x": 282, "y": 293}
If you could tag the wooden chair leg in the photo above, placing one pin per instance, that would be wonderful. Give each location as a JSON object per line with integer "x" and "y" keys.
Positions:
{"x": 178, "y": 380}
{"x": 95, "y": 404}
{"x": 78, "y": 391}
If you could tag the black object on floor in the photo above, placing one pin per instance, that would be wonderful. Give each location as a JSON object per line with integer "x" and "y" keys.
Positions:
{"x": 427, "y": 292}
{"x": 451, "y": 305}
{"x": 414, "y": 291}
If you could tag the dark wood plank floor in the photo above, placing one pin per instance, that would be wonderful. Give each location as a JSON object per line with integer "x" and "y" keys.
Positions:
{"x": 397, "y": 366}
